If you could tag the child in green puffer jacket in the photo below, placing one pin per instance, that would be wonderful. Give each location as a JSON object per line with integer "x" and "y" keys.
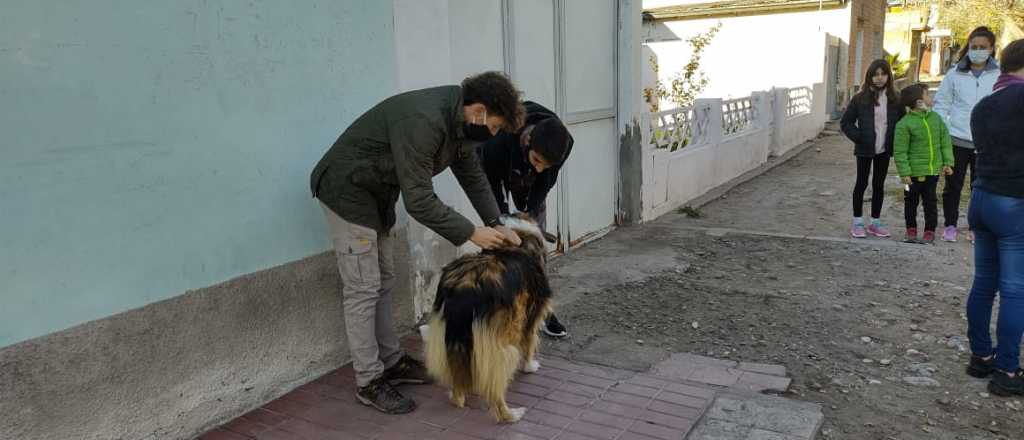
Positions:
{"x": 922, "y": 149}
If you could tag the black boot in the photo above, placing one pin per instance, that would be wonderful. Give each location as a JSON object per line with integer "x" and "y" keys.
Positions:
{"x": 981, "y": 368}
{"x": 1004, "y": 386}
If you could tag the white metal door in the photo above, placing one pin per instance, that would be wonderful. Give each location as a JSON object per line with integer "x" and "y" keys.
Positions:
{"x": 587, "y": 77}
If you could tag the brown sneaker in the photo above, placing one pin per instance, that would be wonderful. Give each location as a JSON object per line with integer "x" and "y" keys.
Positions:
{"x": 408, "y": 370}
{"x": 380, "y": 395}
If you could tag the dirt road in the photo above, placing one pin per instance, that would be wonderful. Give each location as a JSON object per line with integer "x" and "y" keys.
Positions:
{"x": 872, "y": 329}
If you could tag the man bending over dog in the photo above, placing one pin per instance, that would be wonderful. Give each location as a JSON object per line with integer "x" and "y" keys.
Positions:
{"x": 526, "y": 164}
{"x": 396, "y": 148}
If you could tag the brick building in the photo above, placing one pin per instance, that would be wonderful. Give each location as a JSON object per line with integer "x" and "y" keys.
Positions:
{"x": 867, "y": 33}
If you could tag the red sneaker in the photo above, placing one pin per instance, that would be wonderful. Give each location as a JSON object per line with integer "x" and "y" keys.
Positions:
{"x": 911, "y": 234}
{"x": 929, "y": 236}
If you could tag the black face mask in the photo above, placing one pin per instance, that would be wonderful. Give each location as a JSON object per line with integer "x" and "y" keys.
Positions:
{"x": 477, "y": 132}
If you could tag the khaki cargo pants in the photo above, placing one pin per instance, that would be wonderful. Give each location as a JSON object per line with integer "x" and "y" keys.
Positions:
{"x": 367, "y": 266}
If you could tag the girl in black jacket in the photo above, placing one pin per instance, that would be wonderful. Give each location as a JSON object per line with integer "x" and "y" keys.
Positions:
{"x": 869, "y": 121}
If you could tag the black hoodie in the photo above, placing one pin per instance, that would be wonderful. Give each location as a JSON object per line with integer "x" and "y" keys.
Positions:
{"x": 509, "y": 170}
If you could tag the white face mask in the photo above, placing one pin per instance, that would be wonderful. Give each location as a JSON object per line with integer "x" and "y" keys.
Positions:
{"x": 922, "y": 106}
{"x": 978, "y": 56}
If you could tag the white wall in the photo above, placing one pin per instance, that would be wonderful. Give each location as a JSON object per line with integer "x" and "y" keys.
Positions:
{"x": 673, "y": 178}
{"x": 748, "y": 53}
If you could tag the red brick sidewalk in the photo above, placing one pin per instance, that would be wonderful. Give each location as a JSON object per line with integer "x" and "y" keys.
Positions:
{"x": 566, "y": 401}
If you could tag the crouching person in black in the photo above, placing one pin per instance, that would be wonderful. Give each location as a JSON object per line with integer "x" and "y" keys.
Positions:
{"x": 525, "y": 164}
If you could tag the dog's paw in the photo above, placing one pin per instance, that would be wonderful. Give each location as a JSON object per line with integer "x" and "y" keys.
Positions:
{"x": 456, "y": 402}
{"x": 517, "y": 414}
{"x": 424, "y": 331}
{"x": 531, "y": 366}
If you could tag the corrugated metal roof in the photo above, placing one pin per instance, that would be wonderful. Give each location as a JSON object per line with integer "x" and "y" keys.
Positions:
{"x": 728, "y": 8}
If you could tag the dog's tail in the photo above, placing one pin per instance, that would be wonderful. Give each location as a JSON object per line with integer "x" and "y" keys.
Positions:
{"x": 485, "y": 365}
{"x": 495, "y": 357}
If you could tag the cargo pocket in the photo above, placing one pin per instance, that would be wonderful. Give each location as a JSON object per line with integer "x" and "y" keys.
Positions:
{"x": 359, "y": 259}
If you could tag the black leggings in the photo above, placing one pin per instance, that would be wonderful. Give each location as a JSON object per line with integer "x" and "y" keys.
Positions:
{"x": 880, "y": 163}
{"x": 964, "y": 159}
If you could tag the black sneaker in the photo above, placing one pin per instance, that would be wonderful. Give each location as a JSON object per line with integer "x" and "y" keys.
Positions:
{"x": 981, "y": 368}
{"x": 384, "y": 397}
{"x": 408, "y": 370}
{"x": 554, "y": 328}
{"x": 1003, "y": 385}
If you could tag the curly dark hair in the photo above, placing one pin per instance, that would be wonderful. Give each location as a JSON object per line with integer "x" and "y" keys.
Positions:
{"x": 497, "y": 93}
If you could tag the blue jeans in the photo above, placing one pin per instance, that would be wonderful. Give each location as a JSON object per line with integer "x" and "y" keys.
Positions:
{"x": 998, "y": 225}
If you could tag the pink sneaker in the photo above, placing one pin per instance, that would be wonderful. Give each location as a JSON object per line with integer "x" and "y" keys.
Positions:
{"x": 857, "y": 231}
{"x": 970, "y": 235}
{"x": 949, "y": 234}
{"x": 878, "y": 230}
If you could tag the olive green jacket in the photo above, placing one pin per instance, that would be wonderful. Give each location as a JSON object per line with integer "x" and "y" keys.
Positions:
{"x": 397, "y": 147}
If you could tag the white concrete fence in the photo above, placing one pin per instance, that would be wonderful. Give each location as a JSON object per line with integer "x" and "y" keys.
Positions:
{"x": 689, "y": 151}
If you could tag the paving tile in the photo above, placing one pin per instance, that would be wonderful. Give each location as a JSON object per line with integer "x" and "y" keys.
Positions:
{"x": 561, "y": 364}
{"x": 634, "y": 436}
{"x": 246, "y": 427}
{"x": 512, "y": 435}
{"x": 538, "y": 380}
{"x": 558, "y": 408}
{"x": 530, "y": 390}
{"x": 533, "y": 429}
{"x": 406, "y": 426}
{"x": 690, "y": 390}
{"x": 480, "y": 429}
{"x": 566, "y": 435}
{"x": 666, "y": 420}
{"x": 541, "y": 417}
{"x": 647, "y": 381}
{"x": 565, "y": 401}
{"x": 568, "y": 398}
{"x": 304, "y": 429}
{"x": 269, "y": 418}
{"x": 592, "y": 381}
{"x": 626, "y": 399}
{"x": 657, "y": 431}
{"x": 519, "y": 399}
{"x": 679, "y": 399}
{"x": 593, "y": 430}
{"x": 581, "y": 390}
{"x": 617, "y": 409}
{"x": 773, "y": 370}
{"x": 438, "y": 414}
{"x": 768, "y": 413}
{"x": 715, "y": 375}
{"x": 286, "y": 407}
{"x": 554, "y": 373}
{"x": 693, "y": 359}
{"x": 672, "y": 409}
{"x": 605, "y": 419}
{"x": 278, "y": 434}
{"x": 758, "y": 382}
{"x": 222, "y": 434}
{"x": 602, "y": 373}
{"x": 638, "y": 390}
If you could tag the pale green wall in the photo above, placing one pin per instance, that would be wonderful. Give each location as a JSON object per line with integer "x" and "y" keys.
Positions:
{"x": 151, "y": 147}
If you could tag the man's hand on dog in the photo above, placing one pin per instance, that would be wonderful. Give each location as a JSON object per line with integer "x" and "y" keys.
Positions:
{"x": 511, "y": 238}
{"x": 488, "y": 238}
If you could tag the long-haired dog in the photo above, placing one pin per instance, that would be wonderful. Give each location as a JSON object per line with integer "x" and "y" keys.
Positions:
{"x": 488, "y": 309}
